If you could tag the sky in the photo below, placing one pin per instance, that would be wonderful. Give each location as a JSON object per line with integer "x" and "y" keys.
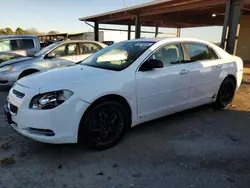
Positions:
{"x": 63, "y": 15}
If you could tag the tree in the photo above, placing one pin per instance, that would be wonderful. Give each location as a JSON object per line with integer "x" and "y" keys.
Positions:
{"x": 32, "y": 31}
{"x": 9, "y": 31}
{"x": 2, "y": 32}
{"x": 53, "y": 32}
{"x": 20, "y": 31}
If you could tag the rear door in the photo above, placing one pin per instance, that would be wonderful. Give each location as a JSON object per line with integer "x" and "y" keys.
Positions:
{"x": 204, "y": 72}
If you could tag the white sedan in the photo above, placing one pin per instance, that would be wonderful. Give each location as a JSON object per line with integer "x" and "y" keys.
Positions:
{"x": 121, "y": 86}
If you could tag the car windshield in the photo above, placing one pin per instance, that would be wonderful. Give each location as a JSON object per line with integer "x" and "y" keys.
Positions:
{"x": 46, "y": 49}
{"x": 6, "y": 56}
{"x": 118, "y": 56}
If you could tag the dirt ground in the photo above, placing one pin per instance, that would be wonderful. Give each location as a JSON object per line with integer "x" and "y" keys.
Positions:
{"x": 200, "y": 148}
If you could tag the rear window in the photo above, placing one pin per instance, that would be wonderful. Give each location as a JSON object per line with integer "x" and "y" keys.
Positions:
{"x": 22, "y": 44}
{"x": 88, "y": 48}
{"x": 198, "y": 52}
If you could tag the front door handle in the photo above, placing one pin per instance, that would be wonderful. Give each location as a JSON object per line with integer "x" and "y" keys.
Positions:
{"x": 184, "y": 71}
{"x": 219, "y": 66}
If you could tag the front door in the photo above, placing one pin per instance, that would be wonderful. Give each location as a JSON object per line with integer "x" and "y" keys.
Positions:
{"x": 165, "y": 90}
{"x": 64, "y": 55}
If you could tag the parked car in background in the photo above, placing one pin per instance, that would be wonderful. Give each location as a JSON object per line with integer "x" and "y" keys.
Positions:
{"x": 25, "y": 45}
{"x": 58, "y": 54}
{"x": 6, "y": 56}
{"x": 123, "y": 85}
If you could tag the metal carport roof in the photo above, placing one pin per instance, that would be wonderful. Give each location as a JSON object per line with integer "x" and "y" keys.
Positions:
{"x": 167, "y": 13}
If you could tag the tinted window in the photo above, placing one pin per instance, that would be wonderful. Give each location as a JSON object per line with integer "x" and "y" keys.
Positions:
{"x": 198, "y": 52}
{"x": 16, "y": 44}
{"x": 65, "y": 50}
{"x": 169, "y": 55}
{"x": 22, "y": 44}
{"x": 89, "y": 48}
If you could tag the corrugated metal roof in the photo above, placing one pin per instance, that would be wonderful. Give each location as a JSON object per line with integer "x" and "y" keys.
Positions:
{"x": 166, "y": 13}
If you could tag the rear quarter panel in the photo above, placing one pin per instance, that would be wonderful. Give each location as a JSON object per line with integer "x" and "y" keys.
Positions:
{"x": 232, "y": 65}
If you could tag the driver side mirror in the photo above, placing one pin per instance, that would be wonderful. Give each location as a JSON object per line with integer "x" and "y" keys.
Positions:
{"x": 51, "y": 55}
{"x": 151, "y": 64}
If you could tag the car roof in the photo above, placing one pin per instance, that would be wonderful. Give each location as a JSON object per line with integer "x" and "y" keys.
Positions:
{"x": 17, "y": 37}
{"x": 70, "y": 41}
{"x": 169, "y": 39}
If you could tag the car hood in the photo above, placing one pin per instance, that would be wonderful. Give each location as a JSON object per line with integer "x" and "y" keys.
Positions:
{"x": 15, "y": 60}
{"x": 62, "y": 77}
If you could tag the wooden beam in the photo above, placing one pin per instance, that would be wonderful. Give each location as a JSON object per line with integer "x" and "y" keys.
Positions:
{"x": 188, "y": 20}
{"x": 96, "y": 31}
{"x": 234, "y": 26}
{"x": 129, "y": 32}
{"x": 178, "y": 34}
{"x": 116, "y": 17}
{"x": 168, "y": 7}
{"x": 138, "y": 27}
{"x": 190, "y": 5}
{"x": 156, "y": 31}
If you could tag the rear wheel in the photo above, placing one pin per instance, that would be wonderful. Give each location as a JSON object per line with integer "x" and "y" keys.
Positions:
{"x": 226, "y": 93}
{"x": 104, "y": 125}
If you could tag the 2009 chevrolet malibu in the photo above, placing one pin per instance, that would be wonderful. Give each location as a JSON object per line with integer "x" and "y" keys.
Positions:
{"x": 121, "y": 86}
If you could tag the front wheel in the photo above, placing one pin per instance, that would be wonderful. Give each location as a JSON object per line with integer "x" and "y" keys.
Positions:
{"x": 104, "y": 125}
{"x": 226, "y": 93}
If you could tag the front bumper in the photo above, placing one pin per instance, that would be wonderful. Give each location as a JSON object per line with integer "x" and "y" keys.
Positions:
{"x": 7, "y": 79}
{"x": 61, "y": 123}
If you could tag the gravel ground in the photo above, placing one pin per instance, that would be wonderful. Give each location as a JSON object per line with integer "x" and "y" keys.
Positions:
{"x": 201, "y": 147}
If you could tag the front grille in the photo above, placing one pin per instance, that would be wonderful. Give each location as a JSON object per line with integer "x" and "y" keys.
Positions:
{"x": 18, "y": 94}
{"x": 13, "y": 108}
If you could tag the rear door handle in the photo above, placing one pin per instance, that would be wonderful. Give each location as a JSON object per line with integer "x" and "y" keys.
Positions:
{"x": 219, "y": 66}
{"x": 184, "y": 71}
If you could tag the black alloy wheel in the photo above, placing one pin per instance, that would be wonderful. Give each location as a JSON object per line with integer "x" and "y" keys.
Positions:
{"x": 226, "y": 93}
{"x": 104, "y": 125}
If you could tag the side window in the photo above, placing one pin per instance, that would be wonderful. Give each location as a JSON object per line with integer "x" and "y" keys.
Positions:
{"x": 89, "y": 48}
{"x": 169, "y": 55}
{"x": 65, "y": 50}
{"x": 198, "y": 52}
{"x": 213, "y": 54}
{"x": 5, "y": 46}
{"x": 22, "y": 44}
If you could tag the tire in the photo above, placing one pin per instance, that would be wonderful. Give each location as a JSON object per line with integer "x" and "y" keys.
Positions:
{"x": 104, "y": 125}
{"x": 226, "y": 93}
{"x": 27, "y": 73}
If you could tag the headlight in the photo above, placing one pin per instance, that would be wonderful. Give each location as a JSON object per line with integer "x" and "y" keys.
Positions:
{"x": 50, "y": 100}
{"x": 7, "y": 68}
